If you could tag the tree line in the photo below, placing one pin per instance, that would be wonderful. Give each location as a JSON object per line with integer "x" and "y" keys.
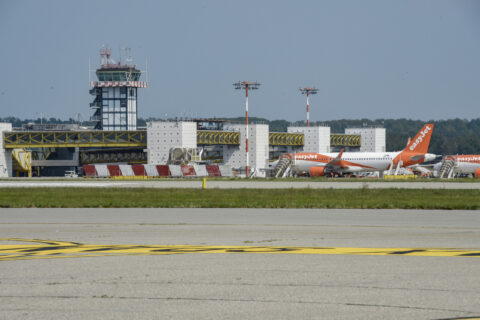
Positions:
{"x": 453, "y": 136}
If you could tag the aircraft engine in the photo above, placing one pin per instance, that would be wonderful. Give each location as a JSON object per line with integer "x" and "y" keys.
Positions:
{"x": 318, "y": 171}
{"x": 477, "y": 173}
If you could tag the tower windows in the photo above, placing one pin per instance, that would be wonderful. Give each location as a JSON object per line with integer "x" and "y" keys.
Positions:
{"x": 118, "y": 108}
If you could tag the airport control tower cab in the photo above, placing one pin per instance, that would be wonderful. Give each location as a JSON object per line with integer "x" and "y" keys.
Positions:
{"x": 115, "y": 103}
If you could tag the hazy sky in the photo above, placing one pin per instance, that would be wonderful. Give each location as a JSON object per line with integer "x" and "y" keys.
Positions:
{"x": 369, "y": 59}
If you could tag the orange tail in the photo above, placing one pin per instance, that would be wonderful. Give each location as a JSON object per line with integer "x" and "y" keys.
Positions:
{"x": 420, "y": 143}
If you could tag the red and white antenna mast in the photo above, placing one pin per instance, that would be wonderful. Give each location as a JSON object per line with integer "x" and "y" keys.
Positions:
{"x": 105, "y": 54}
{"x": 308, "y": 91}
{"x": 252, "y": 86}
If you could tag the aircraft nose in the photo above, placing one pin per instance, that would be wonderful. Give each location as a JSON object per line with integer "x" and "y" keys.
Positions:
{"x": 273, "y": 164}
{"x": 430, "y": 157}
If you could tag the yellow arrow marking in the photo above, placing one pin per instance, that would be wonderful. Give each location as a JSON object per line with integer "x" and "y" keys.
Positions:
{"x": 45, "y": 249}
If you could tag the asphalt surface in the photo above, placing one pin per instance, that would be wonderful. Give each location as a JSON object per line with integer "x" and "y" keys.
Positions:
{"x": 237, "y": 184}
{"x": 239, "y": 285}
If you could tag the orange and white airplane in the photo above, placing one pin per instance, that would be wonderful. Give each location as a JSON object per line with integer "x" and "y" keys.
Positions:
{"x": 463, "y": 164}
{"x": 317, "y": 164}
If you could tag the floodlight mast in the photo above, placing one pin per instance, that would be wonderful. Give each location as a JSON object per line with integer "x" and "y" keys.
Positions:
{"x": 308, "y": 91}
{"x": 252, "y": 86}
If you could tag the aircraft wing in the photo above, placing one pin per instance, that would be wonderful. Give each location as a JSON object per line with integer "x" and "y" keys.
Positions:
{"x": 337, "y": 162}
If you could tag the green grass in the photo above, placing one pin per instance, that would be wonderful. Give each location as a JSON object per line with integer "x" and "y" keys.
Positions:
{"x": 238, "y": 198}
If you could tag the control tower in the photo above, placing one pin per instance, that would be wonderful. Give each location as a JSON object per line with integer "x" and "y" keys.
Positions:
{"x": 115, "y": 103}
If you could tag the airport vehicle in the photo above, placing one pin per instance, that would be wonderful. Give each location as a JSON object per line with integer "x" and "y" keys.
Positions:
{"x": 71, "y": 174}
{"x": 465, "y": 164}
{"x": 330, "y": 164}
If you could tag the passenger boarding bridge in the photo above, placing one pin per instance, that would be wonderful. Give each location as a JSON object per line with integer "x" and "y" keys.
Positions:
{"x": 96, "y": 139}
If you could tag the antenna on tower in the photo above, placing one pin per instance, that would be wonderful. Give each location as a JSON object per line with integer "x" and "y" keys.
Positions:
{"x": 89, "y": 72}
{"x": 105, "y": 54}
{"x": 79, "y": 119}
{"x": 128, "y": 56}
{"x": 146, "y": 69}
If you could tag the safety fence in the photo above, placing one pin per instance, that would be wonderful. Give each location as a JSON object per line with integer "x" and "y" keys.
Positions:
{"x": 144, "y": 171}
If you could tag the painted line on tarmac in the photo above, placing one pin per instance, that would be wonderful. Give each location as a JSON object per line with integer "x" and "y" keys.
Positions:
{"x": 463, "y": 318}
{"x": 47, "y": 249}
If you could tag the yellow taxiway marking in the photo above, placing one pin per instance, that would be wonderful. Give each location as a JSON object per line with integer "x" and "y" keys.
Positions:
{"x": 467, "y": 318}
{"x": 46, "y": 249}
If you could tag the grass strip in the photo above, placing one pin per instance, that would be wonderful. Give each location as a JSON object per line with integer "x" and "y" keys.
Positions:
{"x": 238, "y": 198}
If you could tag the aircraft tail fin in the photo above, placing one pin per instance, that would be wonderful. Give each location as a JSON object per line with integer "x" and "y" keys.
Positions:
{"x": 420, "y": 143}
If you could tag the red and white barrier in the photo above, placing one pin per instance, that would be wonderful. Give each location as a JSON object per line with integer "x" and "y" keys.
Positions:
{"x": 139, "y": 170}
{"x": 89, "y": 170}
{"x": 163, "y": 171}
{"x": 176, "y": 171}
{"x": 188, "y": 171}
{"x": 126, "y": 170}
{"x": 114, "y": 170}
{"x": 151, "y": 170}
{"x": 213, "y": 170}
{"x": 102, "y": 170}
{"x": 200, "y": 170}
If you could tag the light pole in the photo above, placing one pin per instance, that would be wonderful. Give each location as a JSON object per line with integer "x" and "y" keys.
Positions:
{"x": 252, "y": 86}
{"x": 308, "y": 91}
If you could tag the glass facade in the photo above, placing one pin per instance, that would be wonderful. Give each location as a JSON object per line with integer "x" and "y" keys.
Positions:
{"x": 119, "y": 108}
{"x": 118, "y": 75}
{"x": 115, "y": 107}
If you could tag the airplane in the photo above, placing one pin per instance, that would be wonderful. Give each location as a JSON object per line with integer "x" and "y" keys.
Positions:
{"x": 462, "y": 164}
{"x": 331, "y": 164}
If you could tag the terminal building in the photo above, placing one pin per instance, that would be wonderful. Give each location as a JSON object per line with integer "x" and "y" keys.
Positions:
{"x": 6, "y": 168}
{"x": 371, "y": 139}
{"x": 115, "y": 139}
{"x": 163, "y": 136}
{"x": 316, "y": 139}
{"x": 51, "y": 153}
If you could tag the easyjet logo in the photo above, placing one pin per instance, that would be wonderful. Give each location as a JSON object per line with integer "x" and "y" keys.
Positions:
{"x": 420, "y": 138}
{"x": 306, "y": 156}
{"x": 469, "y": 159}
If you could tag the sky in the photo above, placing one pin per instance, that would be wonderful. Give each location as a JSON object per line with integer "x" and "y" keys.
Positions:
{"x": 369, "y": 59}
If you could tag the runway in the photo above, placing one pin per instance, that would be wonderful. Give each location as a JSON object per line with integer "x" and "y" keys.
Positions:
{"x": 237, "y": 184}
{"x": 239, "y": 264}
